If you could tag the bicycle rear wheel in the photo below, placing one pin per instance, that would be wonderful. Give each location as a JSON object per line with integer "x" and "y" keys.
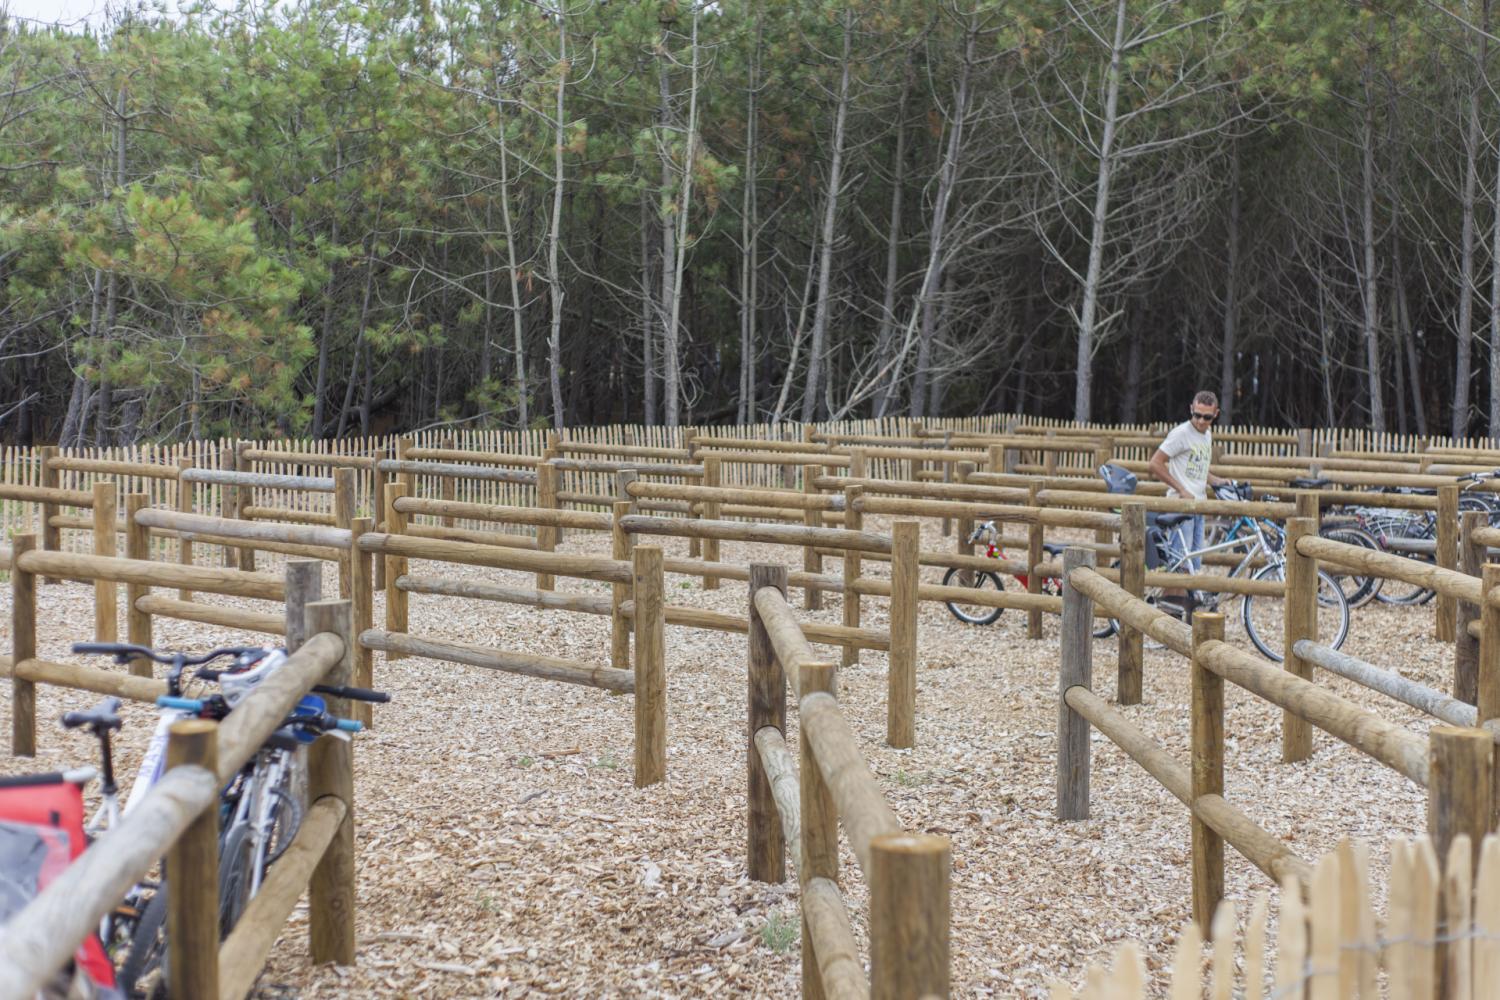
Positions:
{"x": 1264, "y": 616}
{"x": 1358, "y": 590}
{"x": 974, "y": 614}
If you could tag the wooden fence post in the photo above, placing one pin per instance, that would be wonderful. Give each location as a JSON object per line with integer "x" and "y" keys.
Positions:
{"x": 1034, "y": 554}
{"x": 229, "y": 501}
{"x": 819, "y": 854}
{"x": 377, "y": 510}
{"x": 244, "y": 497}
{"x": 1487, "y": 672}
{"x": 1466, "y": 646}
{"x": 1130, "y": 680}
{"x": 362, "y": 596}
{"x": 51, "y": 535}
{"x": 909, "y": 916}
{"x": 1207, "y": 733}
{"x": 137, "y": 546}
{"x": 1300, "y": 622}
{"x": 690, "y": 445}
{"x": 106, "y": 592}
{"x": 1305, "y": 442}
{"x": 712, "y": 476}
{"x": 448, "y": 484}
{"x": 1447, "y": 558}
{"x": 396, "y": 604}
{"x": 546, "y": 535}
{"x": 650, "y": 667}
{"x": 193, "y": 867}
{"x": 765, "y": 846}
{"x": 22, "y": 647}
{"x": 184, "y": 499}
{"x": 1461, "y": 786}
{"x": 811, "y": 561}
{"x": 304, "y": 586}
{"x": 619, "y": 625}
{"x": 343, "y": 517}
{"x": 901, "y": 673}
{"x": 409, "y": 479}
{"x": 1076, "y": 669}
{"x": 330, "y": 771}
{"x": 964, "y": 526}
{"x": 947, "y": 464}
{"x": 854, "y": 520}
{"x": 997, "y": 460}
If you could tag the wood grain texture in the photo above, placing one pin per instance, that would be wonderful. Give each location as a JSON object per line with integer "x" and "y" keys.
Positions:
{"x": 765, "y": 848}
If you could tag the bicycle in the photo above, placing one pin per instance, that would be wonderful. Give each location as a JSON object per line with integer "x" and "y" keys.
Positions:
{"x": 260, "y": 808}
{"x": 984, "y": 614}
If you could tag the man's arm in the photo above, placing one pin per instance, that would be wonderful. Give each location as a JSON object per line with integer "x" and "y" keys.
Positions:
{"x": 1158, "y": 467}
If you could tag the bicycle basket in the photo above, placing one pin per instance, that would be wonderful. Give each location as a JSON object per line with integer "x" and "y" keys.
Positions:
{"x": 1117, "y": 479}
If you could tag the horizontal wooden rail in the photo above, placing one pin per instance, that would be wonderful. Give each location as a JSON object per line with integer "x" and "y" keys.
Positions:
{"x": 84, "y": 677}
{"x": 771, "y": 534}
{"x": 207, "y": 614}
{"x": 1170, "y": 505}
{"x": 263, "y": 480}
{"x": 781, "y": 775}
{"x": 457, "y": 471}
{"x": 242, "y": 956}
{"x": 1424, "y": 699}
{"x": 473, "y": 536}
{"x": 550, "y": 668}
{"x": 498, "y": 557}
{"x": 235, "y": 583}
{"x": 192, "y": 526}
{"x": 1399, "y": 749}
{"x": 607, "y": 466}
{"x": 1489, "y": 537}
{"x": 757, "y": 444}
{"x": 763, "y": 457}
{"x": 1259, "y": 847}
{"x": 861, "y": 806}
{"x": 1121, "y": 604}
{"x": 789, "y": 499}
{"x": 308, "y": 459}
{"x": 785, "y": 632}
{"x": 900, "y": 507}
{"x": 1211, "y": 582}
{"x": 47, "y": 494}
{"x": 143, "y": 470}
{"x": 536, "y": 516}
{"x": 480, "y": 457}
{"x": 252, "y": 512}
{"x": 1449, "y": 582}
{"x": 629, "y": 450}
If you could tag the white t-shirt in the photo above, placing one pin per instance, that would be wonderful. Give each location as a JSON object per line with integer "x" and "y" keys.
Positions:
{"x": 1189, "y": 451}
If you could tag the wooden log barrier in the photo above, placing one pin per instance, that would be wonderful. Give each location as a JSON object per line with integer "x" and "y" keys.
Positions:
{"x": 261, "y": 480}
{"x": 812, "y": 563}
{"x": 23, "y": 648}
{"x": 547, "y": 535}
{"x": 1472, "y": 554}
{"x": 819, "y": 851}
{"x": 852, "y": 566}
{"x": 1462, "y": 786}
{"x": 901, "y": 671}
{"x": 193, "y": 861}
{"x": 1206, "y": 724}
{"x": 550, "y": 668}
{"x": 521, "y": 560}
{"x": 909, "y": 916}
{"x": 50, "y": 496}
{"x": 1076, "y": 665}
{"x": 534, "y": 516}
{"x": 765, "y": 848}
{"x": 1299, "y": 622}
{"x": 1445, "y": 627}
{"x": 404, "y": 467}
{"x": 330, "y": 774}
{"x": 106, "y": 592}
{"x": 769, "y": 534}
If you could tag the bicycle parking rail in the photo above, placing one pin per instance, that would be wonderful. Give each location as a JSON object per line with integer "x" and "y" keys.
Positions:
{"x": 801, "y": 806}
{"x": 1443, "y": 762}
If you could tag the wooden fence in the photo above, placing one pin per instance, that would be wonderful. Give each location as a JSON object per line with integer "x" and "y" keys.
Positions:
{"x": 1439, "y": 937}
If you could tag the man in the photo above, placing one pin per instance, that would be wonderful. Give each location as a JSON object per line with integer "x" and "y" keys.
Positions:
{"x": 1182, "y": 463}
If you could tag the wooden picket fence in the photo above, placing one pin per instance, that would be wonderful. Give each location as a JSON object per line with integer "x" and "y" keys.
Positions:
{"x": 1439, "y": 936}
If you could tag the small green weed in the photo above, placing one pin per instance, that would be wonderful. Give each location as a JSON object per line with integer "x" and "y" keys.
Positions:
{"x": 525, "y": 761}
{"x": 779, "y": 932}
{"x": 907, "y": 780}
{"x": 608, "y": 762}
{"x": 487, "y": 903}
{"x": 686, "y": 585}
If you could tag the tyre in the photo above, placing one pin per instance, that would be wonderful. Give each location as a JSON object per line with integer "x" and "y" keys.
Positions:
{"x": 974, "y": 614}
{"x": 1265, "y": 617}
{"x": 1358, "y": 590}
{"x": 148, "y": 946}
{"x": 235, "y": 866}
{"x": 1401, "y": 592}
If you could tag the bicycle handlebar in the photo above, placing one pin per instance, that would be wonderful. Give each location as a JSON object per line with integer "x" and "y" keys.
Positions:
{"x": 312, "y": 720}
{"x": 123, "y": 652}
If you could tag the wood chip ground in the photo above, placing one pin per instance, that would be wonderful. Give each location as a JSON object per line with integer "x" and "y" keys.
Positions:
{"x": 503, "y": 851}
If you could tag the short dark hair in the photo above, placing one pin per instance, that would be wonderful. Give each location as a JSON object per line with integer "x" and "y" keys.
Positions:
{"x": 1206, "y": 398}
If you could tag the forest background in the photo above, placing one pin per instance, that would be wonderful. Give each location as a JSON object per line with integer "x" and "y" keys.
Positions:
{"x": 323, "y": 218}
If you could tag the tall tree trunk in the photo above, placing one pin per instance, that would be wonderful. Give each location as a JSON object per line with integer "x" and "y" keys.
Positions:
{"x": 745, "y": 411}
{"x": 811, "y": 390}
{"x": 1131, "y": 398}
{"x": 1231, "y": 292}
{"x": 112, "y": 292}
{"x": 885, "y": 335}
{"x": 1370, "y": 300}
{"x": 1088, "y": 310}
{"x": 672, "y": 355}
{"x": 512, "y": 266}
{"x": 554, "y": 277}
{"x": 1473, "y": 140}
{"x": 648, "y": 315}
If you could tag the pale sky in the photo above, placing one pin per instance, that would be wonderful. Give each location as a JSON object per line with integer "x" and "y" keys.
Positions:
{"x": 77, "y": 13}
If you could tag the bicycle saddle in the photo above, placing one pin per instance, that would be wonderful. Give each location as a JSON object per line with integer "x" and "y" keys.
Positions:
{"x": 1117, "y": 479}
{"x": 1304, "y": 483}
{"x": 1170, "y": 520}
{"x": 104, "y": 715}
{"x": 1053, "y": 549}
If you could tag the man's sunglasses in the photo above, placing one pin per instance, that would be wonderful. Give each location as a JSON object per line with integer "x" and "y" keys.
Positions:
{"x": 1210, "y": 417}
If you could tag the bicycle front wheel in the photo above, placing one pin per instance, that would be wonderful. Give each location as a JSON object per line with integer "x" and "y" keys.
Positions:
{"x": 964, "y": 611}
{"x": 1264, "y": 616}
{"x": 1360, "y": 590}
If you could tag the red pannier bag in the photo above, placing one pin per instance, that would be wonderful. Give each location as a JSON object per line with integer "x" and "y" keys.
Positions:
{"x": 41, "y": 833}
